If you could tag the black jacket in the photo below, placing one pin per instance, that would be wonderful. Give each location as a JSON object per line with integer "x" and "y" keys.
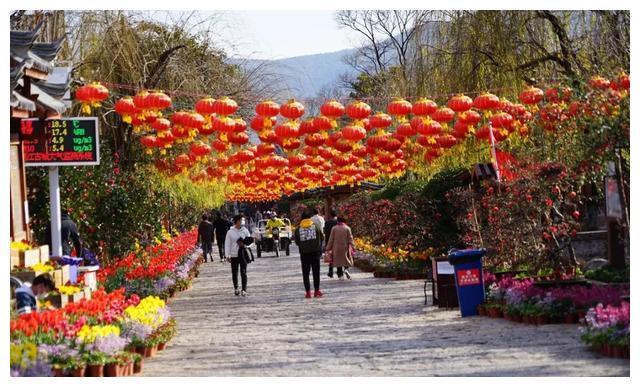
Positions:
{"x": 221, "y": 226}
{"x": 205, "y": 232}
{"x": 70, "y": 237}
{"x": 328, "y": 225}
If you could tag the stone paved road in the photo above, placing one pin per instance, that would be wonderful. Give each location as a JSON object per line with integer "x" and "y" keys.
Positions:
{"x": 363, "y": 327}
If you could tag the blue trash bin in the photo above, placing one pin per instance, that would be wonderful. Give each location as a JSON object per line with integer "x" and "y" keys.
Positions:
{"x": 467, "y": 266}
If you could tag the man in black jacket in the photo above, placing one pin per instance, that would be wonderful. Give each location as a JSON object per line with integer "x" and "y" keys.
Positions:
{"x": 205, "y": 237}
{"x": 221, "y": 226}
{"x": 309, "y": 237}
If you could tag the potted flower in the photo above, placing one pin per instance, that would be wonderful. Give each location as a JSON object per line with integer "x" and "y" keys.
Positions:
{"x": 95, "y": 363}
{"x": 137, "y": 363}
{"x": 64, "y": 359}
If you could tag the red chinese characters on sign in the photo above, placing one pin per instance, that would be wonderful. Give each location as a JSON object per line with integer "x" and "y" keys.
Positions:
{"x": 468, "y": 277}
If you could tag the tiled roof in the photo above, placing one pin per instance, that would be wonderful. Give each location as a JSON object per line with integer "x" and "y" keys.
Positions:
{"x": 53, "y": 93}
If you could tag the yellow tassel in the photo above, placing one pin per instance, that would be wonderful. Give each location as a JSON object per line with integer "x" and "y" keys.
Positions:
{"x": 86, "y": 108}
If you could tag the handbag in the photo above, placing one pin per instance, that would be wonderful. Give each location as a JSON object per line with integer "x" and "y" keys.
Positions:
{"x": 328, "y": 256}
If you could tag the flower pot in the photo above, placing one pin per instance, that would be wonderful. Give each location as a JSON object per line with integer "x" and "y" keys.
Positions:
{"x": 581, "y": 315}
{"x": 481, "y": 311}
{"x": 161, "y": 346}
{"x": 111, "y": 370}
{"x": 150, "y": 351}
{"x": 541, "y": 320}
{"x": 58, "y": 372}
{"x": 616, "y": 351}
{"x": 625, "y": 352}
{"x": 495, "y": 313}
{"x": 77, "y": 372}
{"x": 606, "y": 350}
{"x": 95, "y": 370}
{"x": 140, "y": 351}
{"x": 137, "y": 367}
{"x": 570, "y": 318}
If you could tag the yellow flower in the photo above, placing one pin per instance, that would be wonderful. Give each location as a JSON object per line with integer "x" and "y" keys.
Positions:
{"x": 68, "y": 289}
{"x": 20, "y": 246}
{"x": 88, "y": 334}
{"x": 42, "y": 268}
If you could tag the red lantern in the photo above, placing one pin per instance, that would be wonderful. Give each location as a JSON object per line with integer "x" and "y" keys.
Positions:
{"x": 238, "y": 138}
{"x": 292, "y": 110}
{"x": 126, "y": 109}
{"x": 443, "y": 115}
{"x": 460, "y": 103}
{"x": 258, "y": 123}
{"x": 380, "y": 120}
{"x": 392, "y": 145}
{"x": 354, "y": 133}
{"x": 91, "y": 95}
{"x": 314, "y": 140}
{"x": 332, "y": 109}
{"x": 220, "y": 146}
{"x": 358, "y": 110}
{"x": 223, "y": 124}
{"x": 241, "y": 125}
{"x": 447, "y": 141}
{"x": 265, "y": 149}
{"x": 183, "y": 160}
{"x": 205, "y": 106}
{"x": 598, "y": 82}
{"x": 225, "y": 106}
{"x": 322, "y": 123}
{"x": 531, "y": 95}
{"x": 157, "y": 101}
{"x": 307, "y": 126}
{"x": 407, "y": 129}
{"x": 161, "y": 125}
{"x": 424, "y": 107}
{"x": 267, "y": 108}
{"x": 148, "y": 141}
{"x": 470, "y": 117}
{"x": 623, "y": 82}
{"x": 461, "y": 129}
{"x": 287, "y": 130}
{"x": 501, "y": 120}
{"x": 430, "y": 128}
{"x": 486, "y": 101}
{"x": 399, "y": 107}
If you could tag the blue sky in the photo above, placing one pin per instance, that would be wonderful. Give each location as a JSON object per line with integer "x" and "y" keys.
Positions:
{"x": 275, "y": 34}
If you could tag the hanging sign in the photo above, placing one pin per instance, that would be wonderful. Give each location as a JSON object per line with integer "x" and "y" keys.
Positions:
{"x": 60, "y": 142}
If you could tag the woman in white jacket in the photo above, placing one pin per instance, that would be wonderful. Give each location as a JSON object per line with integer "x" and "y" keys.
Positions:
{"x": 238, "y": 231}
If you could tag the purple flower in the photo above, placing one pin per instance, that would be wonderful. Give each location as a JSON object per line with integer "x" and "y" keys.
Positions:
{"x": 109, "y": 345}
{"x": 135, "y": 331}
{"x": 163, "y": 284}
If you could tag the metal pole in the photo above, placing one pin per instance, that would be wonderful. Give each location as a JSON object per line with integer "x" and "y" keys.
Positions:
{"x": 493, "y": 151}
{"x": 54, "y": 202}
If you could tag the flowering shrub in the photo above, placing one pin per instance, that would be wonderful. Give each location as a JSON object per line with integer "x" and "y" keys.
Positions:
{"x": 608, "y": 325}
{"x": 525, "y": 221}
{"x": 26, "y": 360}
{"x": 523, "y": 297}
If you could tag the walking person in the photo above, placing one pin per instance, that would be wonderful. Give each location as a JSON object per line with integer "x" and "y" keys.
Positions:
{"x": 328, "y": 226}
{"x": 233, "y": 252}
{"x": 340, "y": 243}
{"x": 220, "y": 227}
{"x": 317, "y": 218}
{"x": 205, "y": 237}
{"x": 309, "y": 238}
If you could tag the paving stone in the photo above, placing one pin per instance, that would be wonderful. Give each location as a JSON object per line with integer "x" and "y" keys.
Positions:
{"x": 363, "y": 327}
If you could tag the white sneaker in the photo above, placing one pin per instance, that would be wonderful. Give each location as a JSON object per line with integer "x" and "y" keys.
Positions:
{"x": 243, "y": 293}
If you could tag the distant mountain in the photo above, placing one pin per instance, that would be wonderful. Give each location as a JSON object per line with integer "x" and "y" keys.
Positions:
{"x": 305, "y": 76}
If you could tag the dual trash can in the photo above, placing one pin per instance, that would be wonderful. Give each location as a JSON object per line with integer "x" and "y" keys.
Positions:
{"x": 467, "y": 266}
